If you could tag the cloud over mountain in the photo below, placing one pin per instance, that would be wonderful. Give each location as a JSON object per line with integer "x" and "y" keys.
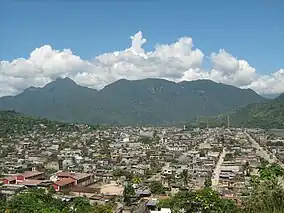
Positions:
{"x": 177, "y": 61}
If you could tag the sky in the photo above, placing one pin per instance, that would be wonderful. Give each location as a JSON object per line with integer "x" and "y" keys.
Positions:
{"x": 97, "y": 42}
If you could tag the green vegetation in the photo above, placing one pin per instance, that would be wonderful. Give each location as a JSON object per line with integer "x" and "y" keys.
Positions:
{"x": 266, "y": 196}
{"x": 128, "y": 194}
{"x": 141, "y": 102}
{"x": 12, "y": 123}
{"x": 266, "y": 115}
{"x": 157, "y": 188}
{"x": 37, "y": 200}
{"x": 205, "y": 200}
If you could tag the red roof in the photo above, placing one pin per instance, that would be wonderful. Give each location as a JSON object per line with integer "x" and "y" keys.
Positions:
{"x": 31, "y": 174}
{"x": 75, "y": 176}
{"x": 32, "y": 182}
{"x": 64, "y": 181}
{"x": 10, "y": 178}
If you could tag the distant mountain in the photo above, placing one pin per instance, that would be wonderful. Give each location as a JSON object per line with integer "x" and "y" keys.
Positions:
{"x": 270, "y": 96}
{"x": 148, "y": 101}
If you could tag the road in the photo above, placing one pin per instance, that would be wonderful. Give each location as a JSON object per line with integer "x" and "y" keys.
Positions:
{"x": 263, "y": 153}
{"x": 217, "y": 170}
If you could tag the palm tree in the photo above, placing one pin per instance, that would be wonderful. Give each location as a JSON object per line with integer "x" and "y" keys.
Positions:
{"x": 136, "y": 180}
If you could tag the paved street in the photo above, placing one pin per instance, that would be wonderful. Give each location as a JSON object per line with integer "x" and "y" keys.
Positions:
{"x": 263, "y": 153}
{"x": 217, "y": 170}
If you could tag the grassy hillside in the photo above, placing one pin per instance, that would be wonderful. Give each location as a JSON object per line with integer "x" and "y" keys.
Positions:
{"x": 266, "y": 115}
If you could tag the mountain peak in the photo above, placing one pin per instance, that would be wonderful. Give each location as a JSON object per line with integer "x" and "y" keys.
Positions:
{"x": 65, "y": 80}
{"x": 61, "y": 83}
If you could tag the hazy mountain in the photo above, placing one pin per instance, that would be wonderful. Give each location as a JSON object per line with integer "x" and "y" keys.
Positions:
{"x": 148, "y": 101}
{"x": 270, "y": 96}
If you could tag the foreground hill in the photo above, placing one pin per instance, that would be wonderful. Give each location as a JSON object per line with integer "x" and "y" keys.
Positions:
{"x": 263, "y": 115}
{"x": 266, "y": 115}
{"x": 149, "y": 101}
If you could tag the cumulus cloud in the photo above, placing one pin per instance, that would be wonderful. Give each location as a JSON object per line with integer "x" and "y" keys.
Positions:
{"x": 178, "y": 61}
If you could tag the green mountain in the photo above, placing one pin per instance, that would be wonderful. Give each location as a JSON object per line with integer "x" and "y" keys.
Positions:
{"x": 267, "y": 115}
{"x": 148, "y": 101}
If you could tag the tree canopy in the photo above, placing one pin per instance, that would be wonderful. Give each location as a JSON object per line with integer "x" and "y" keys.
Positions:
{"x": 37, "y": 200}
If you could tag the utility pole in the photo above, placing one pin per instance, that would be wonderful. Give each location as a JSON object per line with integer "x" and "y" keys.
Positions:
{"x": 228, "y": 122}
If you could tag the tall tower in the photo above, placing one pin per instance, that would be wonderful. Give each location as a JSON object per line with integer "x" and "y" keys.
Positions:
{"x": 228, "y": 122}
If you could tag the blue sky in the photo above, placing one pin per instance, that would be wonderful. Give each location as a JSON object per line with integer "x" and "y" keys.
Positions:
{"x": 251, "y": 30}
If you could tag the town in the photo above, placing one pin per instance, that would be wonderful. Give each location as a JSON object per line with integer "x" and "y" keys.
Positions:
{"x": 99, "y": 163}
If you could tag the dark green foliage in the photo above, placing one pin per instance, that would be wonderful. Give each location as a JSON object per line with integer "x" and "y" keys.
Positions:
{"x": 267, "y": 195}
{"x": 264, "y": 115}
{"x": 157, "y": 188}
{"x": 208, "y": 182}
{"x": 122, "y": 172}
{"x": 267, "y": 115}
{"x": 205, "y": 200}
{"x": 37, "y": 200}
{"x": 185, "y": 177}
{"x": 149, "y": 101}
{"x": 13, "y": 124}
{"x": 34, "y": 201}
{"x": 128, "y": 194}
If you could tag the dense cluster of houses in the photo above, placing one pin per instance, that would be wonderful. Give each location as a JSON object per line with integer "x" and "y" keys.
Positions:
{"x": 97, "y": 163}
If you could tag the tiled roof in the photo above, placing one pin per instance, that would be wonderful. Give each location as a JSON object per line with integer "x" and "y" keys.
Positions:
{"x": 64, "y": 181}
{"x": 10, "y": 178}
{"x": 32, "y": 182}
{"x": 76, "y": 176}
{"x": 31, "y": 174}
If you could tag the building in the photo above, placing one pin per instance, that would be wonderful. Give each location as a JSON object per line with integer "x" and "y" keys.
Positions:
{"x": 162, "y": 210}
{"x": 34, "y": 175}
{"x": 64, "y": 184}
{"x": 81, "y": 179}
{"x": 9, "y": 180}
{"x": 20, "y": 178}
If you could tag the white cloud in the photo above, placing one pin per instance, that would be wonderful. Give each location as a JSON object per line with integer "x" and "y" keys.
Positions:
{"x": 177, "y": 61}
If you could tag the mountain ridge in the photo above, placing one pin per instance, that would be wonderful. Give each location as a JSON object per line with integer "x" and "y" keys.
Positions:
{"x": 128, "y": 102}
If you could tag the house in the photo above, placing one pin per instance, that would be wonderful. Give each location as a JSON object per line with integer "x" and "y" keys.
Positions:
{"x": 9, "y": 180}
{"x": 64, "y": 184}
{"x": 81, "y": 179}
{"x": 20, "y": 178}
{"x": 35, "y": 175}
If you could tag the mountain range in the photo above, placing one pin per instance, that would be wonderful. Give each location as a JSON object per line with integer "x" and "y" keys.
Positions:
{"x": 126, "y": 102}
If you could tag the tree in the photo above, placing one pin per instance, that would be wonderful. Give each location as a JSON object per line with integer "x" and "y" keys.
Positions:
{"x": 157, "y": 187}
{"x": 267, "y": 194}
{"x": 208, "y": 182}
{"x": 97, "y": 208}
{"x": 205, "y": 200}
{"x": 184, "y": 176}
{"x": 136, "y": 180}
{"x": 38, "y": 201}
{"x": 128, "y": 193}
{"x": 81, "y": 205}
